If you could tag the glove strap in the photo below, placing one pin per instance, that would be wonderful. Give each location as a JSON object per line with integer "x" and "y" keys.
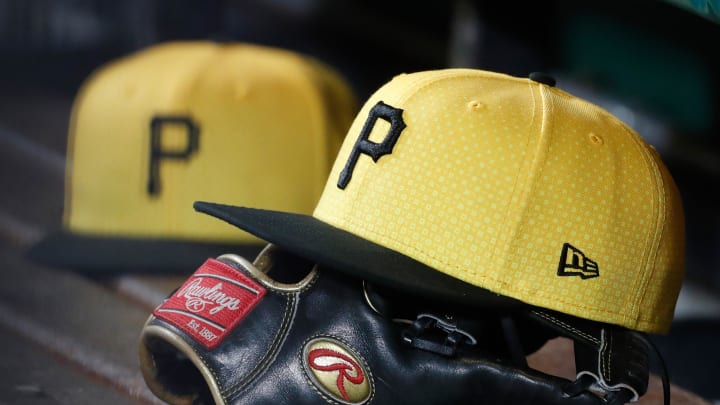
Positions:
{"x": 608, "y": 359}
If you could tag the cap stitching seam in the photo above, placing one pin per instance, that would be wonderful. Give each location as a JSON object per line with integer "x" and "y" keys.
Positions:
{"x": 510, "y": 205}
{"x": 661, "y": 209}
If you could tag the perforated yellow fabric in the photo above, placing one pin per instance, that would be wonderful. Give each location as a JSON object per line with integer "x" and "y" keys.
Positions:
{"x": 522, "y": 189}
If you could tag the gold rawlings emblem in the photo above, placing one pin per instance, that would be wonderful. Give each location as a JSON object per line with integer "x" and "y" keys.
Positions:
{"x": 336, "y": 371}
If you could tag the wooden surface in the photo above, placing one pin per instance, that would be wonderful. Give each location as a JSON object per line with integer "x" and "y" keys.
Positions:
{"x": 70, "y": 340}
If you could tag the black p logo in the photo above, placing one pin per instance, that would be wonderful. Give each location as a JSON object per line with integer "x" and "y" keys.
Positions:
{"x": 374, "y": 150}
{"x": 157, "y": 153}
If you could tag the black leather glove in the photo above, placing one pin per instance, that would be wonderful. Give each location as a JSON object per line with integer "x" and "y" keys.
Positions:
{"x": 281, "y": 331}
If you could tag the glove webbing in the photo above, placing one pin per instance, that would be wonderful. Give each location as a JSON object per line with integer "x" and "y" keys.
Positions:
{"x": 446, "y": 330}
{"x": 607, "y": 357}
{"x": 611, "y": 361}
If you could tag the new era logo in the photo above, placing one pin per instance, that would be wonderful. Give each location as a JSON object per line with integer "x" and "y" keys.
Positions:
{"x": 573, "y": 262}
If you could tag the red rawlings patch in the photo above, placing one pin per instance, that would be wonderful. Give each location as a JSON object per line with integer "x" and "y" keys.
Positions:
{"x": 211, "y": 302}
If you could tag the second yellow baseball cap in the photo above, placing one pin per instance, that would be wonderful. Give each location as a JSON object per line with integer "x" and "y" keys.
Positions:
{"x": 181, "y": 121}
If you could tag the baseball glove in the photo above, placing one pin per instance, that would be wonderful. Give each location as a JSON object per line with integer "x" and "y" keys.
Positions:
{"x": 255, "y": 333}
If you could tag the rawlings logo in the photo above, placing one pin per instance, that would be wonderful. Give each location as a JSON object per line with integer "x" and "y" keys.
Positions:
{"x": 198, "y": 297}
{"x": 197, "y": 307}
{"x": 345, "y": 366}
{"x": 336, "y": 371}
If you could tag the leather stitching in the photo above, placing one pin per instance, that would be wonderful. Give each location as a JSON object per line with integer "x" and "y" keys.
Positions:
{"x": 288, "y": 317}
{"x": 567, "y": 327}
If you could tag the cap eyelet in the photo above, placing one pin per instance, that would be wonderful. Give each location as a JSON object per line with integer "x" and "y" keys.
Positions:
{"x": 595, "y": 138}
{"x": 475, "y": 105}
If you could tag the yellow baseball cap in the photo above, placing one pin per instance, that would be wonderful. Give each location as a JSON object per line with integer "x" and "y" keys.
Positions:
{"x": 181, "y": 121}
{"x": 479, "y": 188}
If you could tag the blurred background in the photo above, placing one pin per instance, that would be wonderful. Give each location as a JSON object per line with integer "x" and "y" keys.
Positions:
{"x": 654, "y": 64}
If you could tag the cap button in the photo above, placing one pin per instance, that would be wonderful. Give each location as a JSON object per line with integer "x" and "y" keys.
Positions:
{"x": 542, "y": 78}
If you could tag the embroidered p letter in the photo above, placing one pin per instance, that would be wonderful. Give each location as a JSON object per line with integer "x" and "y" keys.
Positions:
{"x": 157, "y": 153}
{"x": 374, "y": 150}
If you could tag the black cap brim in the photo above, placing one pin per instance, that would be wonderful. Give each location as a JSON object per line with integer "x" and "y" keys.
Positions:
{"x": 104, "y": 256}
{"x": 331, "y": 247}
